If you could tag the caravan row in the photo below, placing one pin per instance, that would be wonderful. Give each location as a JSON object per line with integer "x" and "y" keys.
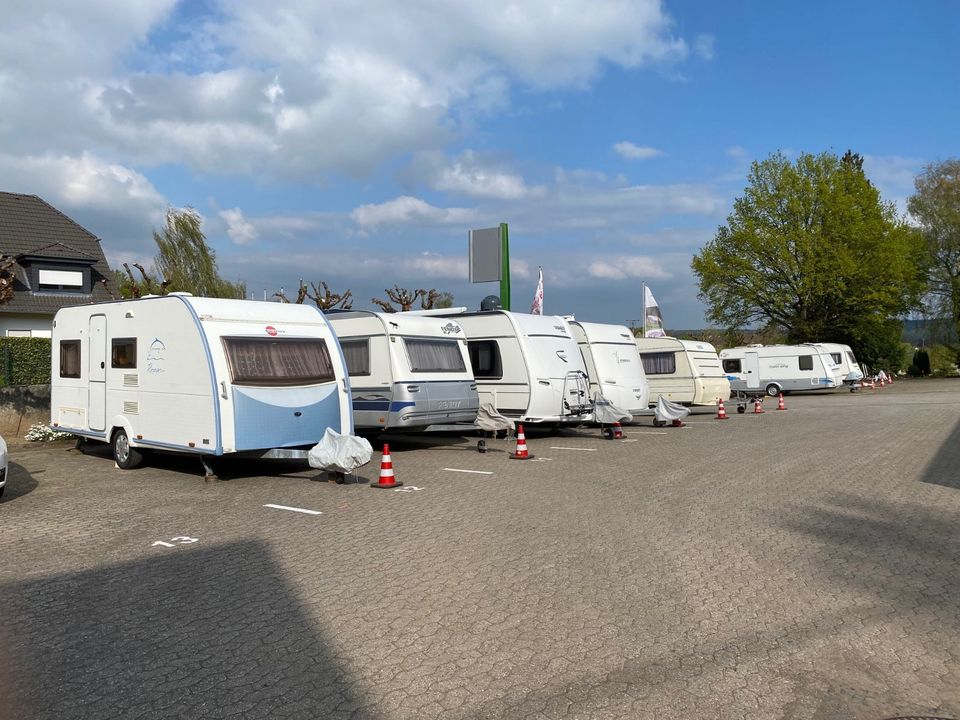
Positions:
{"x": 217, "y": 377}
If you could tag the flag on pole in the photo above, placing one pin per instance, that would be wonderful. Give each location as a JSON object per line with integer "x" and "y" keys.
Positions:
{"x": 653, "y": 320}
{"x": 537, "y": 307}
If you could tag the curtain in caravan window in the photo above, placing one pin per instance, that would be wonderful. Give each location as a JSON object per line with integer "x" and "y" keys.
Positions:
{"x": 664, "y": 363}
{"x": 69, "y": 358}
{"x": 357, "y": 355}
{"x": 278, "y": 361}
{"x": 434, "y": 355}
{"x": 806, "y": 362}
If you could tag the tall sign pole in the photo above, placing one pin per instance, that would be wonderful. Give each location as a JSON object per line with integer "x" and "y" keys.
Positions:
{"x": 504, "y": 267}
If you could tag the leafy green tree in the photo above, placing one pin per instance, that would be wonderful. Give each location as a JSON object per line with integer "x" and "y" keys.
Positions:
{"x": 811, "y": 249}
{"x": 186, "y": 262}
{"x": 936, "y": 208}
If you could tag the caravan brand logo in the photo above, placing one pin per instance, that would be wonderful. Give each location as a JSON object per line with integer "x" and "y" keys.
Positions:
{"x": 271, "y": 330}
{"x": 450, "y": 329}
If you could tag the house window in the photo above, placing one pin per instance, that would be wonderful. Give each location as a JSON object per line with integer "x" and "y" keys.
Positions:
{"x": 123, "y": 353}
{"x": 69, "y": 358}
{"x": 806, "y": 362}
{"x": 19, "y": 333}
{"x": 732, "y": 366}
{"x": 60, "y": 280}
{"x": 434, "y": 355}
{"x": 664, "y": 363}
{"x": 357, "y": 355}
{"x": 278, "y": 362}
{"x": 485, "y": 359}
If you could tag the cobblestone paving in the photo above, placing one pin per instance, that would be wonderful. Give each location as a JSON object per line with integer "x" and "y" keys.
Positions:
{"x": 798, "y": 564}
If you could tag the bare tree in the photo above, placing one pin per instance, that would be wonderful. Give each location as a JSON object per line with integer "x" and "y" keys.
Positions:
{"x": 401, "y": 296}
{"x": 325, "y": 300}
{"x": 146, "y": 285}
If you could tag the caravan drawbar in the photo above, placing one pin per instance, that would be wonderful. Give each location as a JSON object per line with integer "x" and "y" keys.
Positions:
{"x": 197, "y": 375}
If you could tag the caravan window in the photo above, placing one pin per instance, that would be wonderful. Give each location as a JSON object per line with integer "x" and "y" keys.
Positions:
{"x": 69, "y": 358}
{"x": 837, "y": 358}
{"x": 485, "y": 359}
{"x": 664, "y": 363}
{"x": 853, "y": 360}
{"x": 434, "y": 355}
{"x": 278, "y": 361}
{"x": 806, "y": 362}
{"x": 732, "y": 366}
{"x": 123, "y": 353}
{"x": 357, "y": 355}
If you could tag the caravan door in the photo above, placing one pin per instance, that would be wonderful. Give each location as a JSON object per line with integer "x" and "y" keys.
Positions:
{"x": 97, "y": 373}
{"x": 751, "y": 364}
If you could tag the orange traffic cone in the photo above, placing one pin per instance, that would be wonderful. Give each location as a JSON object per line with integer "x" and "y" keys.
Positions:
{"x": 387, "y": 480}
{"x": 882, "y": 383}
{"x": 721, "y": 412}
{"x": 521, "y": 453}
{"x": 890, "y": 380}
{"x": 780, "y": 404}
{"x": 757, "y": 409}
{"x": 617, "y": 431}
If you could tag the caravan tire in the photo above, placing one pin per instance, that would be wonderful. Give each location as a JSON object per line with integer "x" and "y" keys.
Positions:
{"x": 773, "y": 390}
{"x": 124, "y": 455}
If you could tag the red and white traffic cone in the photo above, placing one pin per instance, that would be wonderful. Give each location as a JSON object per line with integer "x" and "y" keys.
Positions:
{"x": 617, "y": 431}
{"x": 387, "y": 479}
{"x": 521, "y": 453}
{"x": 882, "y": 383}
{"x": 780, "y": 403}
{"x": 677, "y": 423}
{"x": 721, "y": 412}
{"x": 757, "y": 409}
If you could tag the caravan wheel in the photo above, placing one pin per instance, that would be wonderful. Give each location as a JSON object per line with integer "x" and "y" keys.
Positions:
{"x": 773, "y": 390}
{"x": 125, "y": 456}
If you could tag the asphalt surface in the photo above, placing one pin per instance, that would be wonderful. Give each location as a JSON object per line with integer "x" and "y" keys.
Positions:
{"x": 797, "y": 564}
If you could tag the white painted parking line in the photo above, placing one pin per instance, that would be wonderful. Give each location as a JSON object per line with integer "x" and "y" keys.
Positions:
{"x": 293, "y": 509}
{"x": 475, "y": 472}
{"x": 650, "y": 433}
{"x": 554, "y": 447}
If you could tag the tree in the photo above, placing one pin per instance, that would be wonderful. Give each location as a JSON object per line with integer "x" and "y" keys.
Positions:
{"x": 406, "y": 299}
{"x": 325, "y": 301}
{"x": 8, "y": 271}
{"x": 810, "y": 248}
{"x": 936, "y": 208}
{"x": 186, "y": 262}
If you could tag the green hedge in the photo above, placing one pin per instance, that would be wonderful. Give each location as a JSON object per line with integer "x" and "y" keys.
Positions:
{"x": 24, "y": 361}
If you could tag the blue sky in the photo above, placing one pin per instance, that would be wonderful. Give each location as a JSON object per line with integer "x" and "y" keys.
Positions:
{"x": 358, "y": 142}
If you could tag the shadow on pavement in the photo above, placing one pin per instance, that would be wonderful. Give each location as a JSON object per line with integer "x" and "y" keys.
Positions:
{"x": 19, "y": 483}
{"x": 194, "y": 632}
{"x": 944, "y": 469}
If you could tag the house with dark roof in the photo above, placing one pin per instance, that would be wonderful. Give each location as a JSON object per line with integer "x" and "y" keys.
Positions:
{"x": 59, "y": 263}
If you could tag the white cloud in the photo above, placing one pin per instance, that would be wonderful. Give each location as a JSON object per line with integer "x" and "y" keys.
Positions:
{"x": 408, "y": 210}
{"x": 705, "y": 46}
{"x": 471, "y": 174}
{"x": 738, "y": 152}
{"x": 299, "y": 89}
{"x": 239, "y": 229}
{"x": 434, "y": 265}
{"x": 627, "y": 266}
{"x": 630, "y": 151}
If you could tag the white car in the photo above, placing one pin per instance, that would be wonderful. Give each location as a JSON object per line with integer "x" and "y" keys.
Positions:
{"x": 3, "y": 466}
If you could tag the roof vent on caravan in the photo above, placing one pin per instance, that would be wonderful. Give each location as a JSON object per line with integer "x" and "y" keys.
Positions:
{"x": 490, "y": 302}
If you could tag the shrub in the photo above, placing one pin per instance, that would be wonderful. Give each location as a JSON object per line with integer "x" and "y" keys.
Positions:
{"x": 39, "y": 432}
{"x": 24, "y": 361}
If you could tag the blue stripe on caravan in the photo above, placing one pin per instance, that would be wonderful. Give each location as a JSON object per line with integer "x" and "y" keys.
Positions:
{"x": 213, "y": 376}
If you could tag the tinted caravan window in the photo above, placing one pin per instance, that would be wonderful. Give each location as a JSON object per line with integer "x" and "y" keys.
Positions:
{"x": 806, "y": 362}
{"x": 357, "y": 355}
{"x": 123, "y": 353}
{"x": 664, "y": 363}
{"x": 732, "y": 366}
{"x": 69, "y": 358}
{"x": 428, "y": 355}
{"x": 485, "y": 359}
{"x": 278, "y": 361}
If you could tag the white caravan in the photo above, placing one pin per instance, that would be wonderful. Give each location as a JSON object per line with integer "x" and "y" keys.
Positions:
{"x": 780, "y": 368}
{"x": 613, "y": 366}
{"x": 528, "y": 366}
{"x": 406, "y": 371}
{"x": 843, "y": 356}
{"x": 682, "y": 371}
{"x": 197, "y": 375}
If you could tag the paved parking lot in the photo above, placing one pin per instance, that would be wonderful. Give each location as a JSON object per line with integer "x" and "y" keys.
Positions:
{"x": 798, "y": 564}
